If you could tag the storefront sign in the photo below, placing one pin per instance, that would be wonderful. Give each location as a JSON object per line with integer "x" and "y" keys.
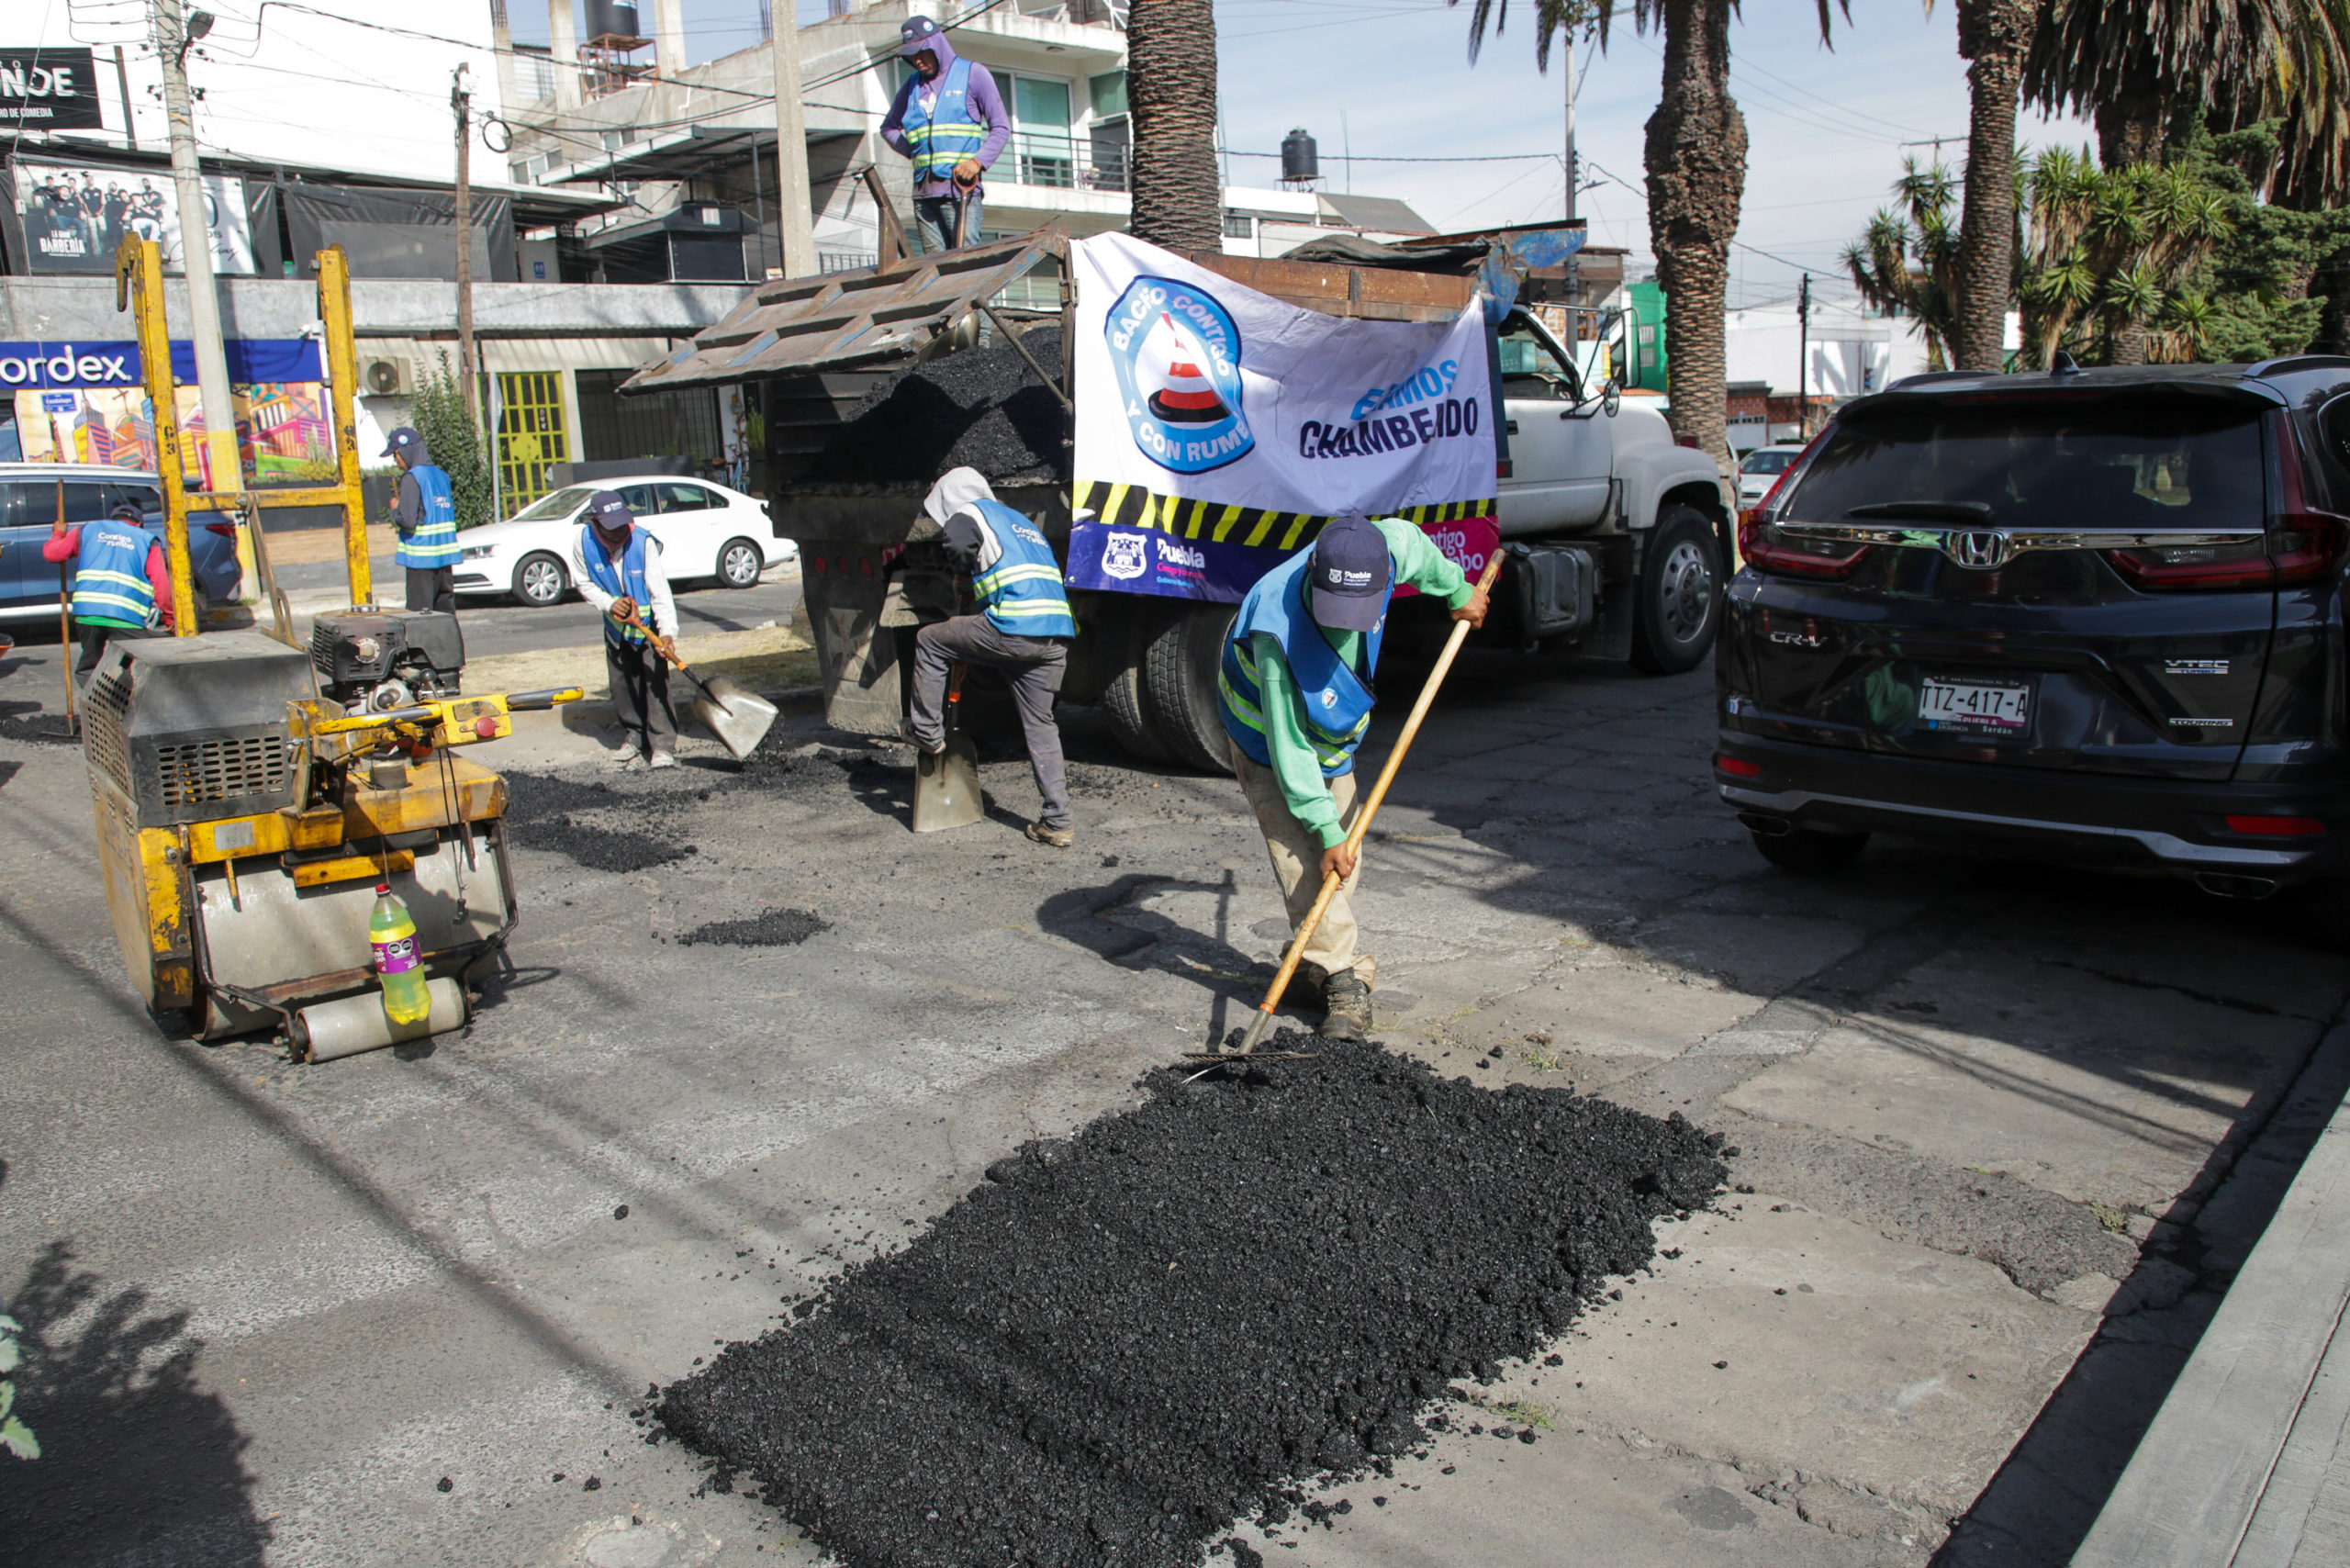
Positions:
{"x": 35, "y": 367}
{"x": 49, "y": 89}
{"x": 76, "y": 218}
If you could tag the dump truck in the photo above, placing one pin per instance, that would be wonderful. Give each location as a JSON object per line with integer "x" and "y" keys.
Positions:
{"x": 862, "y": 387}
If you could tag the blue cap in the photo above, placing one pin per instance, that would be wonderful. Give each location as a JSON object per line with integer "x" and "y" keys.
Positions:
{"x": 608, "y": 512}
{"x": 916, "y": 34}
{"x": 404, "y": 439}
{"x": 1350, "y": 573}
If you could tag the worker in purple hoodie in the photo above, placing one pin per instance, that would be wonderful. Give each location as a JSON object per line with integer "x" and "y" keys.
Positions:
{"x": 949, "y": 118}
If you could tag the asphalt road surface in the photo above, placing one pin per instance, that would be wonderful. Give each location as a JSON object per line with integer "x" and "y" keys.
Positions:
{"x": 2006, "y": 1133}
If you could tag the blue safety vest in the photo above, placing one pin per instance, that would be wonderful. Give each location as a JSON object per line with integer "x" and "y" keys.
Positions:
{"x": 110, "y": 583}
{"x": 1022, "y": 591}
{"x": 627, "y": 578}
{"x": 944, "y": 134}
{"x": 1335, "y": 703}
{"x": 434, "y": 541}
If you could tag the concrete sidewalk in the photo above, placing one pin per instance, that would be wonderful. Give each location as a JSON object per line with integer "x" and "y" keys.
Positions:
{"x": 2247, "y": 1464}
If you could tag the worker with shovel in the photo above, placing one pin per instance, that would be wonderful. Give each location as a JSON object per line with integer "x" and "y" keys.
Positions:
{"x": 618, "y": 567}
{"x": 122, "y": 585}
{"x": 948, "y": 117}
{"x": 1295, "y": 696}
{"x": 1022, "y": 629}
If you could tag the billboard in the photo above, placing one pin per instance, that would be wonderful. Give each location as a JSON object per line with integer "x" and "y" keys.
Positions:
{"x": 75, "y": 218}
{"x": 49, "y": 89}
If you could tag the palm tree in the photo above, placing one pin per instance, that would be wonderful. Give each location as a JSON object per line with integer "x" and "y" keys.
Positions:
{"x": 2131, "y": 63}
{"x": 1907, "y": 264}
{"x": 1171, "y": 87}
{"x": 1992, "y": 38}
{"x": 1696, "y": 178}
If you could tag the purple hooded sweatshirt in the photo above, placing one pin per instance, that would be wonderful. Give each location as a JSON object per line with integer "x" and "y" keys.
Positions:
{"x": 920, "y": 33}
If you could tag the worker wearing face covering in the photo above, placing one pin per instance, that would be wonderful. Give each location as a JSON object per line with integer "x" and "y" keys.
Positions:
{"x": 1294, "y": 693}
{"x": 1023, "y": 628}
{"x": 619, "y": 569}
{"x": 948, "y": 117}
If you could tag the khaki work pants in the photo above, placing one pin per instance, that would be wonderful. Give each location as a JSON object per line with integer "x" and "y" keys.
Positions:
{"x": 1296, "y": 855}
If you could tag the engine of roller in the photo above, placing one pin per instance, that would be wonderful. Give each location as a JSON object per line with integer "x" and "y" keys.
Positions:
{"x": 372, "y": 661}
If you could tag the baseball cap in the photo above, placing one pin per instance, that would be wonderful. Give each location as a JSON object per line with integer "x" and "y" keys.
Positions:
{"x": 916, "y": 34}
{"x": 128, "y": 512}
{"x": 608, "y": 512}
{"x": 403, "y": 440}
{"x": 1351, "y": 573}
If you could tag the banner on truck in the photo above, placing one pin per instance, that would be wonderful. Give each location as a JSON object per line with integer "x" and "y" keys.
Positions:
{"x": 1240, "y": 424}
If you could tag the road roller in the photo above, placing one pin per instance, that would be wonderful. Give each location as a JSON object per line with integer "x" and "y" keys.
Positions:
{"x": 252, "y": 790}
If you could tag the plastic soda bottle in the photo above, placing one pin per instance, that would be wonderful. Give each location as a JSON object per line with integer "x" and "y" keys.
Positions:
{"x": 393, "y": 934}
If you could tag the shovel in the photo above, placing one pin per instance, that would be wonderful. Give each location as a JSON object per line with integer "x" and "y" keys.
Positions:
{"x": 946, "y": 786}
{"x": 738, "y": 717}
{"x": 1370, "y": 805}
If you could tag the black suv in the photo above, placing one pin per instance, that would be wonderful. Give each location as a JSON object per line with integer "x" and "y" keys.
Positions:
{"x": 2098, "y": 615}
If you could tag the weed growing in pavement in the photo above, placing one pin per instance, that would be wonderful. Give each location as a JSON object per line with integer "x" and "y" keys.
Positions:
{"x": 2113, "y": 1219}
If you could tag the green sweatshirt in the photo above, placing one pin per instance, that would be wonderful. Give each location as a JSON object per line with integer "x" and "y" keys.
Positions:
{"x": 1420, "y": 564}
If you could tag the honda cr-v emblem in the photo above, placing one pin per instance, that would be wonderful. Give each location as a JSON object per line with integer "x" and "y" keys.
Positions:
{"x": 1980, "y": 550}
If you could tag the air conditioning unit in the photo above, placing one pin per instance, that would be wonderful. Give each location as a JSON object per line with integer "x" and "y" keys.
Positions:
{"x": 387, "y": 377}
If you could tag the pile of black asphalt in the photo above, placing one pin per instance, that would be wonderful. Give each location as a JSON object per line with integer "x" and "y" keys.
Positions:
{"x": 1186, "y": 1315}
{"x": 545, "y": 811}
{"x": 768, "y": 928}
{"x": 984, "y": 409}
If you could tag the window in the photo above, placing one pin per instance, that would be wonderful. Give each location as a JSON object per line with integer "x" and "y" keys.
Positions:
{"x": 1770, "y": 460}
{"x": 1109, "y": 91}
{"x": 561, "y": 503}
{"x": 34, "y": 502}
{"x": 686, "y": 497}
{"x": 1529, "y": 368}
{"x": 1239, "y": 226}
{"x": 1040, "y": 136}
{"x": 639, "y": 498}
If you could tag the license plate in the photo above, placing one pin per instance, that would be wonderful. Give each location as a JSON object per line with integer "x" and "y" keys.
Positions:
{"x": 1975, "y": 706}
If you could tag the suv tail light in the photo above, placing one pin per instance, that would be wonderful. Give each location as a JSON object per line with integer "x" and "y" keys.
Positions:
{"x": 225, "y": 530}
{"x": 1762, "y": 547}
{"x": 2300, "y": 546}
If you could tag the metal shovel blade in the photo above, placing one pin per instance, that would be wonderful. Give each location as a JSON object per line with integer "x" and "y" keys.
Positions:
{"x": 946, "y": 786}
{"x": 739, "y": 718}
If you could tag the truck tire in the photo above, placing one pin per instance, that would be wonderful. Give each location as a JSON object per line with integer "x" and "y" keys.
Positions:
{"x": 1124, "y": 699}
{"x": 1179, "y": 677}
{"x": 1680, "y": 593}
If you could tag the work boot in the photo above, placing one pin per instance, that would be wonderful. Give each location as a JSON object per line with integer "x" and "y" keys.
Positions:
{"x": 927, "y": 748}
{"x": 629, "y": 761}
{"x": 1058, "y": 837}
{"x": 664, "y": 759}
{"x": 1347, "y": 1001}
{"x": 1307, "y": 984}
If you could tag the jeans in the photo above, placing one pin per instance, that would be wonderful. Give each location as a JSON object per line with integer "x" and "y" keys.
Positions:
{"x": 639, "y": 677}
{"x": 431, "y": 588}
{"x": 936, "y": 217}
{"x": 1033, "y": 664}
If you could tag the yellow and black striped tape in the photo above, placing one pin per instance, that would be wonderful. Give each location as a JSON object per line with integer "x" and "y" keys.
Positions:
{"x": 1132, "y": 506}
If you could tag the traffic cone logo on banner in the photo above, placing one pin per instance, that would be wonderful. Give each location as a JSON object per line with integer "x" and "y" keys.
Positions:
{"x": 1183, "y": 396}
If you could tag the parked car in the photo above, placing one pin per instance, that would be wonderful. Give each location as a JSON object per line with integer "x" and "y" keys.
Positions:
{"x": 2098, "y": 614}
{"x": 1760, "y": 469}
{"x": 29, "y": 498}
{"x": 706, "y": 530}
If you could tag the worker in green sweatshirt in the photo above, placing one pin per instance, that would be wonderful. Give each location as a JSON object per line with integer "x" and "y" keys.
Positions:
{"x": 1294, "y": 691}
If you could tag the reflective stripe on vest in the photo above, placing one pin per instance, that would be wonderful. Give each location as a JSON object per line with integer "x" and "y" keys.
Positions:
{"x": 625, "y": 579}
{"x": 434, "y": 541}
{"x": 943, "y": 134}
{"x": 1334, "y": 705}
{"x": 1022, "y": 593}
{"x": 110, "y": 583}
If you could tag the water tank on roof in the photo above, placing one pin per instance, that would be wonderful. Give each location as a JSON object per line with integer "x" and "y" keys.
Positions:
{"x": 612, "y": 19}
{"x": 1300, "y": 162}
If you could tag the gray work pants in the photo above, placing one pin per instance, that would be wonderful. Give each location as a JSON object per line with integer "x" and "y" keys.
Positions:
{"x": 1033, "y": 664}
{"x": 640, "y": 688}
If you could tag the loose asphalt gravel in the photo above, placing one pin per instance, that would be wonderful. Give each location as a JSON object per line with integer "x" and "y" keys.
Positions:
{"x": 1123, "y": 1343}
{"x": 984, "y": 409}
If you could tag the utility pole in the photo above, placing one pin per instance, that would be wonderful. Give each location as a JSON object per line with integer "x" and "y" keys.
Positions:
{"x": 1803, "y": 359}
{"x": 122, "y": 87}
{"x": 792, "y": 220}
{"x": 462, "y": 102}
{"x": 174, "y": 34}
{"x": 1574, "y": 276}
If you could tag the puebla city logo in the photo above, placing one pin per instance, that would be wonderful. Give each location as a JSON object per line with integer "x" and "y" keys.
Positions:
{"x": 1177, "y": 358}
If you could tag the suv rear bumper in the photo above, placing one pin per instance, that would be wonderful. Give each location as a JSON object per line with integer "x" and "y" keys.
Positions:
{"x": 2071, "y": 816}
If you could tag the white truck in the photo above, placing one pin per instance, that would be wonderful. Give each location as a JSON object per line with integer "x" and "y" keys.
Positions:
{"x": 1615, "y": 536}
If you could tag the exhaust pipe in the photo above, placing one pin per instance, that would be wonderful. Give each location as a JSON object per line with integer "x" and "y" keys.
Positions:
{"x": 2220, "y": 885}
{"x": 1769, "y": 827}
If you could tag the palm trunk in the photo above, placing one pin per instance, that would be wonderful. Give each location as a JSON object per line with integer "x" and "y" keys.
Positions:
{"x": 2130, "y": 128}
{"x": 1992, "y": 34}
{"x": 1171, "y": 87}
{"x": 1697, "y": 169}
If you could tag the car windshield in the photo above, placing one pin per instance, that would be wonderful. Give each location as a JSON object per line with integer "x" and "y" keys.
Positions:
{"x": 1766, "y": 463}
{"x": 559, "y": 504}
{"x": 2110, "y": 463}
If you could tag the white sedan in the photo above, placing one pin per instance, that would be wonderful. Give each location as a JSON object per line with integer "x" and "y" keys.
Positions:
{"x": 706, "y": 530}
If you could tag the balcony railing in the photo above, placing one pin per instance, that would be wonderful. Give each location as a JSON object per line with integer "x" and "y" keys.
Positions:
{"x": 1064, "y": 161}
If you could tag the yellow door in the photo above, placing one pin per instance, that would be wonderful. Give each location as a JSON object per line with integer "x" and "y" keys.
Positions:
{"x": 532, "y": 436}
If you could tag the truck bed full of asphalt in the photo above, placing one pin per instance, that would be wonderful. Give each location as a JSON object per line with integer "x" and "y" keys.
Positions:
{"x": 1119, "y": 1345}
{"x": 983, "y": 408}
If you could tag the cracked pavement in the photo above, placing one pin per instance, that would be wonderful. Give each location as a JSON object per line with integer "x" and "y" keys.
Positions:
{"x": 2005, "y": 1132}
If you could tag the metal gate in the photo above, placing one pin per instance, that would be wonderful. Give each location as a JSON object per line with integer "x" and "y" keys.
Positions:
{"x": 532, "y": 436}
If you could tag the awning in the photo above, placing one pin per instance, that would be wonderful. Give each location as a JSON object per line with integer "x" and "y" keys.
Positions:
{"x": 851, "y": 320}
{"x": 684, "y": 154}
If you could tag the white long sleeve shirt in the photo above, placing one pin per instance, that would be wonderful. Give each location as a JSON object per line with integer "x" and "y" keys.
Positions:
{"x": 661, "y": 614}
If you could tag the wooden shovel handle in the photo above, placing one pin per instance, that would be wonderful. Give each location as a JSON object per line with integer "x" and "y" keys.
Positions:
{"x": 667, "y": 649}
{"x": 1371, "y": 802}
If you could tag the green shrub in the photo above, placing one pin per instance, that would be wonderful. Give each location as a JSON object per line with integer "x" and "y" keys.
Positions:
{"x": 438, "y": 411}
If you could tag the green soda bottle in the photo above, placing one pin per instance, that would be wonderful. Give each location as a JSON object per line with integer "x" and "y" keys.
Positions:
{"x": 392, "y": 933}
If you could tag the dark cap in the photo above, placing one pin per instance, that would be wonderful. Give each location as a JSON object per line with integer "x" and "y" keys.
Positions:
{"x": 916, "y": 34}
{"x": 608, "y": 512}
{"x": 404, "y": 439}
{"x": 129, "y": 512}
{"x": 1351, "y": 573}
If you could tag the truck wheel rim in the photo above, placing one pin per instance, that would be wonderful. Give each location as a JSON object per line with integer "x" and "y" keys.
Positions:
{"x": 1686, "y": 589}
{"x": 540, "y": 582}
